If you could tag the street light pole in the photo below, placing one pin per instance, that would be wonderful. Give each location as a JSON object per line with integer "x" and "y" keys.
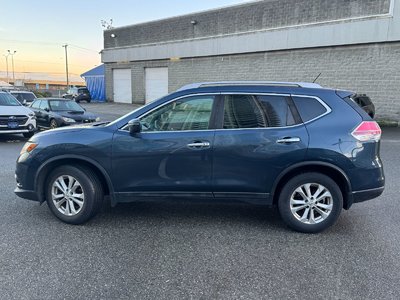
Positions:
{"x": 12, "y": 60}
{"x": 66, "y": 63}
{"x": 6, "y": 56}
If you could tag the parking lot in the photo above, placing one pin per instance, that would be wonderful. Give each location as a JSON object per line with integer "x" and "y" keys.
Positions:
{"x": 180, "y": 250}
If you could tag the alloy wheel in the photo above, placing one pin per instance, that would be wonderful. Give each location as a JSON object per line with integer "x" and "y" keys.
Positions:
{"x": 67, "y": 195}
{"x": 311, "y": 203}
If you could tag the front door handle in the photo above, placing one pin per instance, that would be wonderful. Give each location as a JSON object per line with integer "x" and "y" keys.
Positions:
{"x": 199, "y": 145}
{"x": 288, "y": 140}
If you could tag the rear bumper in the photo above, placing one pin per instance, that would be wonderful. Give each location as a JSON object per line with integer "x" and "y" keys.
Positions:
{"x": 26, "y": 194}
{"x": 361, "y": 196}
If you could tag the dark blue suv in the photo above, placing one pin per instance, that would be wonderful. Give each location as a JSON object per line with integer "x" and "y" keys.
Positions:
{"x": 310, "y": 151}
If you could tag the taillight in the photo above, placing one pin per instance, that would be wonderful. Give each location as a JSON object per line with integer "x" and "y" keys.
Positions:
{"x": 367, "y": 131}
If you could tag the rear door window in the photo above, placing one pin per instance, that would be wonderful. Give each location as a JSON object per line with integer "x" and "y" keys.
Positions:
{"x": 257, "y": 111}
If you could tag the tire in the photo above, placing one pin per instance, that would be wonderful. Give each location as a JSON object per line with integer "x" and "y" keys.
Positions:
{"x": 86, "y": 187}
{"x": 53, "y": 124}
{"x": 28, "y": 135}
{"x": 302, "y": 211}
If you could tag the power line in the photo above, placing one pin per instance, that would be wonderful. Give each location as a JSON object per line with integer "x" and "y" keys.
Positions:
{"x": 83, "y": 48}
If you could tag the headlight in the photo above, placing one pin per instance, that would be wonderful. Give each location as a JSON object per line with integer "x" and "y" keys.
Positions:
{"x": 32, "y": 116}
{"x": 97, "y": 119}
{"x": 28, "y": 147}
{"x": 68, "y": 120}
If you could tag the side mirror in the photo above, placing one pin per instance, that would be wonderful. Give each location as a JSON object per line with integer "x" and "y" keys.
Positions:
{"x": 47, "y": 109}
{"x": 134, "y": 126}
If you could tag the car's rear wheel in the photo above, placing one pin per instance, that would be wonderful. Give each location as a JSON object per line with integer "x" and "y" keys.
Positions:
{"x": 310, "y": 202}
{"x": 53, "y": 124}
{"x": 74, "y": 194}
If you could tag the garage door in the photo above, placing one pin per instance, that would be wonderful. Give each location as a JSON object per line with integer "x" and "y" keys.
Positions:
{"x": 122, "y": 85}
{"x": 156, "y": 83}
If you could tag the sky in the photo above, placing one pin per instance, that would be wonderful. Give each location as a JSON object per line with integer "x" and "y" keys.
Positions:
{"x": 37, "y": 30}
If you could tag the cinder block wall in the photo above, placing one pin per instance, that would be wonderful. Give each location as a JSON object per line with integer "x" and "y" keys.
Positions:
{"x": 372, "y": 69}
{"x": 241, "y": 18}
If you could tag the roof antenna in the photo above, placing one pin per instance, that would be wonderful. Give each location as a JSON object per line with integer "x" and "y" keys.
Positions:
{"x": 317, "y": 77}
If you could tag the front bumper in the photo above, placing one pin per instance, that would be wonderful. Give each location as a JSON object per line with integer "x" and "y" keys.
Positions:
{"x": 26, "y": 194}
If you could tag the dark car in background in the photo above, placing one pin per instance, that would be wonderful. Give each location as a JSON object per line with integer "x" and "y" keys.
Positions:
{"x": 308, "y": 150}
{"x": 78, "y": 94}
{"x": 57, "y": 112}
{"x": 24, "y": 97}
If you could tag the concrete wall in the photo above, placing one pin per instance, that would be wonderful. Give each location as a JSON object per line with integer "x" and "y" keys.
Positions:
{"x": 373, "y": 69}
{"x": 243, "y": 18}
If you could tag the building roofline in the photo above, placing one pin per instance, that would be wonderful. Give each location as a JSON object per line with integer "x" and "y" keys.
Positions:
{"x": 247, "y": 3}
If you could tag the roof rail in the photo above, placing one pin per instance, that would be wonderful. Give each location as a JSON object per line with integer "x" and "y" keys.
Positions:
{"x": 268, "y": 83}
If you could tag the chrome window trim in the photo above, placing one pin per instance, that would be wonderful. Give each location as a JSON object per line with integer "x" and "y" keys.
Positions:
{"x": 328, "y": 111}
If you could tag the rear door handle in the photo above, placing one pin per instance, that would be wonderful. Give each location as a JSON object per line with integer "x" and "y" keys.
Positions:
{"x": 288, "y": 140}
{"x": 199, "y": 145}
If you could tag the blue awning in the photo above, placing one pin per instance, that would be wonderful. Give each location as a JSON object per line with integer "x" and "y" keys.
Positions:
{"x": 98, "y": 71}
{"x": 95, "y": 82}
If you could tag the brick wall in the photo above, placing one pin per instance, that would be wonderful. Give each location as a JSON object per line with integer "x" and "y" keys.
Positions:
{"x": 372, "y": 69}
{"x": 241, "y": 18}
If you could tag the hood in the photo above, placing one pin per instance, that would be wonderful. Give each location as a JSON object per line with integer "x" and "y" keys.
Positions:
{"x": 59, "y": 131}
{"x": 14, "y": 110}
{"x": 77, "y": 116}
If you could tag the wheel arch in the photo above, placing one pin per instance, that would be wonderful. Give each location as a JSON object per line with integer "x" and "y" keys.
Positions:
{"x": 330, "y": 170}
{"x": 45, "y": 169}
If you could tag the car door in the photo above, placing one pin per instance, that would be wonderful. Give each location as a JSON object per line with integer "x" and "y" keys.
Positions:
{"x": 44, "y": 113}
{"x": 259, "y": 136}
{"x": 172, "y": 156}
{"x": 36, "y": 109}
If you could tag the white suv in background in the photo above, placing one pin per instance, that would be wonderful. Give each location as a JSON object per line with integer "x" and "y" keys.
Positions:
{"x": 14, "y": 117}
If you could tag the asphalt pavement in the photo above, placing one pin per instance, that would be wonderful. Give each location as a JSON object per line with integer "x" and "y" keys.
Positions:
{"x": 180, "y": 250}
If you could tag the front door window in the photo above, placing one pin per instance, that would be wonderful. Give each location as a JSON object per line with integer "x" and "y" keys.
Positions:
{"x": 192, "y": 113}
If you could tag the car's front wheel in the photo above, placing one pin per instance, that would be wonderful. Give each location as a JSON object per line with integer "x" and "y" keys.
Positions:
{"x": 310, "y": 202}
{"x": 53, "y": 124}
{"x": 74, "y": 194}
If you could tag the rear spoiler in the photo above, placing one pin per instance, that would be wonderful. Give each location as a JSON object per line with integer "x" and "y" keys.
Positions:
{"x": 343, "y": 94}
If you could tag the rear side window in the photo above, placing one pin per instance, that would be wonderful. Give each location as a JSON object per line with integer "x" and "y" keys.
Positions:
{"x": 309, "y": 108}
{"x": 248, "y": 111}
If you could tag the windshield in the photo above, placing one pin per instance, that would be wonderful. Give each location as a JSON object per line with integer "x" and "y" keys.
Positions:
{"x": 63, "y": 105}
{"x": 8, "y": 100}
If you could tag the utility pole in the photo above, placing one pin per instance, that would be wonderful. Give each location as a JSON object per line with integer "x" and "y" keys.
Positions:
{"x": 6, "y": 56}
{"x": 12, "y": 59}
{"x": 66, "y": 63}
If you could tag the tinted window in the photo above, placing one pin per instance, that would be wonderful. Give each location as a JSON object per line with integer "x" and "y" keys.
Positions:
{"x": 191, "y": 113}
{"x": 246, "y": 111}
{"x": 309, "y": 108}
{"x": 24, "y": 96}
{"x": 36, "y": 104}
{"x": 44, "y": 105}
{"x": 80, "y": 91}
